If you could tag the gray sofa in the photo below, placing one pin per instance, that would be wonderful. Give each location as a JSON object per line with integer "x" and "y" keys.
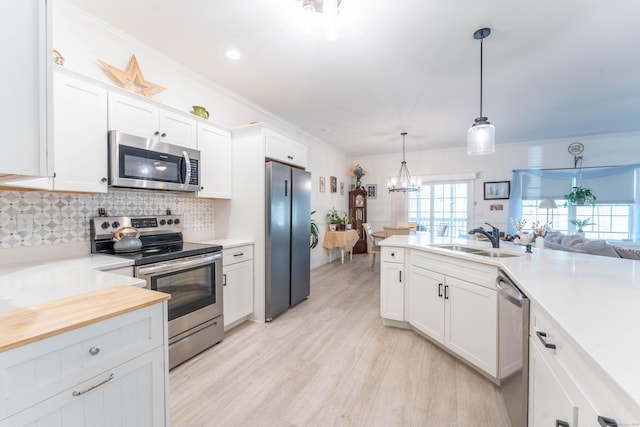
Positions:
{"x": 574, "y": 243}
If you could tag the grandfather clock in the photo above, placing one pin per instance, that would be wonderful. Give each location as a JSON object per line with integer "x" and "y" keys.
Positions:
{"x": 358, "y": 213}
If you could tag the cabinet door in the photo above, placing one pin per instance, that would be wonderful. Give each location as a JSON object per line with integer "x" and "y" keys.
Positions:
{"x": 179, "y": 129}
{"x": 237, "y": 291}
{"x": 25, "y": 37}
{"x": 279, "y": 147}
{"x": 426, "y": 302}
{"x": 215, "y": 157}
{"x": 472, "y": 323}
{"x": 80, "y": 135}
{"x": 132, "y": 394}
{"x": 392, "y": 290}
{"x": 133, "y": 115}
{"x": 548, "y": 401}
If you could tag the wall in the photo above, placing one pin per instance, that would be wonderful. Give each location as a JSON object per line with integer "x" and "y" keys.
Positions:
{"x": 64, "y": 218}
{"x": 600, "y": 150}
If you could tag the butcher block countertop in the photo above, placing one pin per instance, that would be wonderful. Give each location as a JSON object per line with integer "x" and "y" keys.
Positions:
{"x": 29, "y": 324}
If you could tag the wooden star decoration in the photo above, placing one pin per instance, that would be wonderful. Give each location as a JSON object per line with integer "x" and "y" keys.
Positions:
{"x": 132, "y": 78}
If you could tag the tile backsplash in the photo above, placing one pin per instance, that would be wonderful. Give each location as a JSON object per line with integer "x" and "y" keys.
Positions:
{"x": 64, "y": 217}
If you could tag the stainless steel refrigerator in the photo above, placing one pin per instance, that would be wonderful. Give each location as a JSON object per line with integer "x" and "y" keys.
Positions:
{"x": 288, "y": 256}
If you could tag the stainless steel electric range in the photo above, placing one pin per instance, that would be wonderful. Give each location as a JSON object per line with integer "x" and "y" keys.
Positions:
{"x": 190, "y": 272}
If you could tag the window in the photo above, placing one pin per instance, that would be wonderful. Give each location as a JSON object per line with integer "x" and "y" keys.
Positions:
{"x": 614, "y": 216}
{"x": 441, "y": 206}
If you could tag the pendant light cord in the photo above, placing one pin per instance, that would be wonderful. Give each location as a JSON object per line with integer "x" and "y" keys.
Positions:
{"x": 481, "y": 67}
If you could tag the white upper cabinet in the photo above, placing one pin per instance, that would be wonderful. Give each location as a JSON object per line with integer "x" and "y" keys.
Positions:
{"x": 80, "y": 135}
{"x": 284, "y": 149}
{"x": 214, "y": 144}
{"x": 137, "y": 116}
{"x": 25, "y": 42}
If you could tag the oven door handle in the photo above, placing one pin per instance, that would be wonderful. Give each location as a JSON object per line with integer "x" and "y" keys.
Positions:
{"x": 177, "y": 265}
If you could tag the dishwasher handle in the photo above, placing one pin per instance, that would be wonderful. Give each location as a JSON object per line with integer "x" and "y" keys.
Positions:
{"x": 508, "y": 290}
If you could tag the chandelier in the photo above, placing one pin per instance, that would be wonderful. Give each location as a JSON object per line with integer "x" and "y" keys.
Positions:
{"x": 482, "y": 134}
{"x": 329, "y": 11}
{"x": 403, "y": 183}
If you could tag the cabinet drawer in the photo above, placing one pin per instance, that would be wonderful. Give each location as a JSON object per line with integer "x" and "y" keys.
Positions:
{"x": 236, "y": 255}
{"x": 392, "y": 255}
{"x": 37, "y": 371}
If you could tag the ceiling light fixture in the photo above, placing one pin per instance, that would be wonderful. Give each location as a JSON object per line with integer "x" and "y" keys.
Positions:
{"x": 403, "y": 183}
{"x": 329, "y": 11}
{"x": 232, "y": 54}
{"x": 481, "y": 136}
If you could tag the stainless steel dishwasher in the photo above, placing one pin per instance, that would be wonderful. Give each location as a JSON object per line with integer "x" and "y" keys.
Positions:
{"x": 513, "y": 343}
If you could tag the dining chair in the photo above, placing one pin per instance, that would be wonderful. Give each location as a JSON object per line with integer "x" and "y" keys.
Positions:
{"x": 372, "y": 247}
{"x": 412, "y": 225}
{"x": 392, "y": 231}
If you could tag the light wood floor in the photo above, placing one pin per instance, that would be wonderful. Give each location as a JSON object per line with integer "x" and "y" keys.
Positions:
{"x": 330, "y": 362}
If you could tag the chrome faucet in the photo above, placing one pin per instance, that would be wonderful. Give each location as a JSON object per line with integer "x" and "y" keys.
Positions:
{"x": 493, "y": 235}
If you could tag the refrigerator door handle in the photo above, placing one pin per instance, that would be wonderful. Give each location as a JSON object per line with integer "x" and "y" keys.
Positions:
{"x": 286, "y": 187}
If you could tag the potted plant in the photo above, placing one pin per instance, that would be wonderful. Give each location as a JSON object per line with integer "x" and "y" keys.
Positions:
{"x": 334, "y": 219}
{"x": 580, "y": 224}
{"x": 315, "y": 233}
{"x": 580, "y": 196}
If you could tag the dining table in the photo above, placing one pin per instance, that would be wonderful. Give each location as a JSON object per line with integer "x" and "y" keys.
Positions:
{"x": 344, "y": 240}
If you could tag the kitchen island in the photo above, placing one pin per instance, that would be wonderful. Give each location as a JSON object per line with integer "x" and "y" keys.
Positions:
{"x": 589, "y": 302}
{"x": 78, "y": 345}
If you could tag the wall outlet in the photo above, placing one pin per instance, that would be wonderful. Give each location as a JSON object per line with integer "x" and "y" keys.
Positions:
{"x": 25, "y": 222}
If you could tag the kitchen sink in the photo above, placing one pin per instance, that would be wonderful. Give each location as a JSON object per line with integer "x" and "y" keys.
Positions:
{"x": 459, "y": 248}
{"x": 478, "y": 251}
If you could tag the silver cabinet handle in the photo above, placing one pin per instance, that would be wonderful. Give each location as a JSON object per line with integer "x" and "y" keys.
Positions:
{"x": 560, "y": 423}
{"x": 224, "y": 279}
{"x": 542, "y": 336}
{"x": 80, "y": 393}
{"x": 238, "y": 254}
{"x": 94, "y": 351}
{"x": 607, "y": 422}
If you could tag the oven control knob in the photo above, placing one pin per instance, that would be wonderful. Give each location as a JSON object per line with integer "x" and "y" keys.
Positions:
{"x": 115, "y": 224}
{"x": 169, "y": 221}
{"x": 177, "y": 221}
{"x": 105, "y": 225}
{"x": 163, "y": 222}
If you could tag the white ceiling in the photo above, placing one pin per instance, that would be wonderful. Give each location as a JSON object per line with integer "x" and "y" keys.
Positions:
{"x": 553, "y": 68}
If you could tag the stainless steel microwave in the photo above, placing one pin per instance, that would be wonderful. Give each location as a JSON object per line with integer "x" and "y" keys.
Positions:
{"x": 136, "y": 162}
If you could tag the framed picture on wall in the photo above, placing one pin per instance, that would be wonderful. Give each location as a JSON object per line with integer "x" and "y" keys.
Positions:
{"x": 372, "y": 191}
{"x": 333, "y": 182}
{"x": 497, "y": 190}
{"x": 322, "y": 183}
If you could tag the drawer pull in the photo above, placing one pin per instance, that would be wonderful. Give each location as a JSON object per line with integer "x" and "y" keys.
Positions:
{"x": 607, "y": 422}
{"x": 239, "y": 254}
{"x": 562, "y": 423}
{"x": 80, "y": 393}
{"x": 94, "y": 351}
{"x": 542, "y": 336}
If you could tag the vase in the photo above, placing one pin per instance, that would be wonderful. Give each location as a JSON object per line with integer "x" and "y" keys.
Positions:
{"x": 343, "y": 227}
{"x": 332, "y": 227}
{"x": 540, "y": 242}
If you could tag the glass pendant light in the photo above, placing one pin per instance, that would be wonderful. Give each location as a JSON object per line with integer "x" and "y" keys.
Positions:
{"x": 481, "y": 136}
{"x": 403, "y": 182}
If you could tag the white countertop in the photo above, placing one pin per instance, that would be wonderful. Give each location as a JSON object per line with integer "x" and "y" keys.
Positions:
{"x": 30, "y": 283}
{"x": 594, "y": 299}
{"x": 225, "y": 243}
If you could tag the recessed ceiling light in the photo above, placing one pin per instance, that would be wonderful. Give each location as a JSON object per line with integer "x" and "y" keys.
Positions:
{"x": 232, "y": 54}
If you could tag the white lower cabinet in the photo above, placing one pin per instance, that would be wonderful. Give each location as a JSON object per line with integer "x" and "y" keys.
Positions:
{"x": 131, "y": 394}
{"x": 110, "y": 373}
{"x": 458, "y": 314}
{"x": 549, "y": 404}
{"x": 563, "y": 389}
{"x": 237, "y": 291}
{"x": 392, "y": 287}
